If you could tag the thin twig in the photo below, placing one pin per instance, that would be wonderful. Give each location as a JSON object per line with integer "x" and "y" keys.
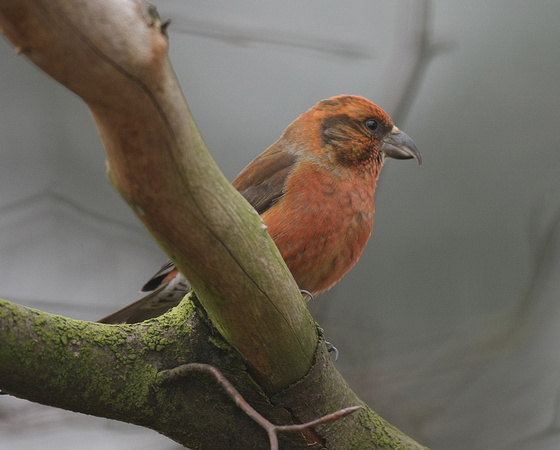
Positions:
{"x": 321, "y": 420}
{"x": 271, "y": 429}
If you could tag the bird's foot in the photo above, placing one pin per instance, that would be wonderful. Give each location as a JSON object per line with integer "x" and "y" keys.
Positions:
{"x": 332, "y": 349}
{"x": 309, "y": 294}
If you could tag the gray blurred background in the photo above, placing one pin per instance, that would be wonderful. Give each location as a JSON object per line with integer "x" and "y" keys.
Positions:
{"x": 449, "y": 326}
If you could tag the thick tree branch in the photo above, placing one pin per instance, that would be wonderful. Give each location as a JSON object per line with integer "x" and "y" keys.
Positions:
{"x": 113, "y": 55}
{"x": 122, "y": 372}
{"x": 113, "y": 371}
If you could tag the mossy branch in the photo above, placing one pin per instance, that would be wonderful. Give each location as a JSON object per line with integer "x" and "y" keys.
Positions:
{"x": 116, "y": 371}
{"x": 114, "y": 56}
{"x": 113, "y": 371}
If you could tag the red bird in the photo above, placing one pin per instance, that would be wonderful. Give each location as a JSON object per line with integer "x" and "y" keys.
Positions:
{"x": 314, "y": 190}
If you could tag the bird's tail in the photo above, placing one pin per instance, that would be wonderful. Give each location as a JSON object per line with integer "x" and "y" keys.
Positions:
{"x": 166, "y": 294}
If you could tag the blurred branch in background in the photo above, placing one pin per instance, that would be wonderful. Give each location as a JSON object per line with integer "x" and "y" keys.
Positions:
{"x": 242, "y": 32}
{"x": 412, "y": 52}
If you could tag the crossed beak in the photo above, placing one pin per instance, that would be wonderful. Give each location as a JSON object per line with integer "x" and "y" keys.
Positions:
{"x": 398, "y": 145}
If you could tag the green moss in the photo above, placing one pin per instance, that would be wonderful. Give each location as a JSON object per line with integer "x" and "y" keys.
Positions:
{"x": 220, "y": 342}
{"x": 385, "y": 435}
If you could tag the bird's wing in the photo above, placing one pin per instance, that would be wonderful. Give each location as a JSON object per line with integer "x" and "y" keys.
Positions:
{"x": 163, "y": 275}
{"x": 262, "y": 181}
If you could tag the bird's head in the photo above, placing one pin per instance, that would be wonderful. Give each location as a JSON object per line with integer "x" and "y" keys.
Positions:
{"x": 352, "y": 132}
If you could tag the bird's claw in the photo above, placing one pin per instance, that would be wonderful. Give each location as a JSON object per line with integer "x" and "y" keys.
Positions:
{"x": 309, "y": 294}
{"x": 332, "y": 349}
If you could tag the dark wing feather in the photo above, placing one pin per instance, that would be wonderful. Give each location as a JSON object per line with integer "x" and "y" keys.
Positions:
{"x": 154, "y": 282}
{"x": 166, "y": 296}
{"x": 262, "y": 181}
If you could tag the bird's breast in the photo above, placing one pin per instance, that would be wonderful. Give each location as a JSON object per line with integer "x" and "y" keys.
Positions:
{"x": 322, "y": 223}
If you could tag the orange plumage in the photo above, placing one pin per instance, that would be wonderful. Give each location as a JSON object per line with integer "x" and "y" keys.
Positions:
{"x": 314, "y": 190}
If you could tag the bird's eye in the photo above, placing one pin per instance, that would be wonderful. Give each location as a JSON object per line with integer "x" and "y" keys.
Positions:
{"x": 371, "y": 124}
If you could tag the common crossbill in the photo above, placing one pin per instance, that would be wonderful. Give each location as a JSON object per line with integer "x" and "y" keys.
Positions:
{"x": 314, "y": 191}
